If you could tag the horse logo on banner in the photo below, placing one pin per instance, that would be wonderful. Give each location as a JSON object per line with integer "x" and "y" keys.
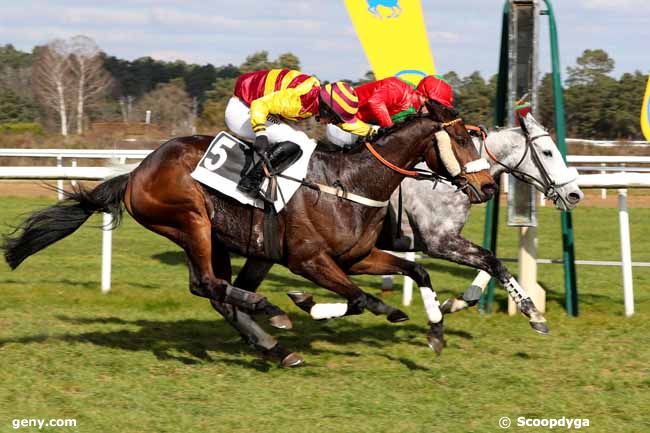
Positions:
{"x": 393, "y": 5}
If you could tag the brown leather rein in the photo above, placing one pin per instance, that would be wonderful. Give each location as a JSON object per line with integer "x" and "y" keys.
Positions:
{"x": 411, "y": 173}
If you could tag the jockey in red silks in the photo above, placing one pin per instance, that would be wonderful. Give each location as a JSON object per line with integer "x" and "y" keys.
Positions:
{"x": 390, "y": 100}
{"x": 265, "y": 100}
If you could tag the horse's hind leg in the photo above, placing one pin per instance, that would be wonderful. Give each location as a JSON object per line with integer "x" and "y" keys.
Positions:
{"x": 193, "y": 234}
{"x": 250, "y": 277}
{"x": 250, "y": 331}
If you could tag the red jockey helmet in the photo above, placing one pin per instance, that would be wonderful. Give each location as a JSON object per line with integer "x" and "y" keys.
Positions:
{"x": 436, "y": 88}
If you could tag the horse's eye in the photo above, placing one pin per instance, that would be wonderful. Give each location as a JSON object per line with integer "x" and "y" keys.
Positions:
{"x": 547, "y": 153}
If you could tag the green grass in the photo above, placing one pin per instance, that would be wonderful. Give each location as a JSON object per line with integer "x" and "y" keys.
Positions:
{"x": 150, "y": 357}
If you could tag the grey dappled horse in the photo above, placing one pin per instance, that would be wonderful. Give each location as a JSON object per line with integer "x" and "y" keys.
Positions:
{"x": 437, "y": 216}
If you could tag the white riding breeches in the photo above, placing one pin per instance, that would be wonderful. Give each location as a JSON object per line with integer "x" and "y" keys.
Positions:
{"x": 339, "y": 137}
{"x": 238, "y": 121}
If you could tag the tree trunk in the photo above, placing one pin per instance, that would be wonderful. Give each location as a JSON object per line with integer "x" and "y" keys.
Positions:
{"x": 62, "y": 112}
{"x": 80, "y": 99}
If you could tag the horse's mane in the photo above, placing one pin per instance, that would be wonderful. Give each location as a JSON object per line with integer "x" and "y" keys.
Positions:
{"x": 383, "y": 132}
{"x": 451, "y": 112}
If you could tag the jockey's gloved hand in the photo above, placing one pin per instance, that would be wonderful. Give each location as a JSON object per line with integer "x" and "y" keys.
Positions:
{"x": 261, "y": 144}
{"x": 483, "y": 129}
{"x": 374, "y": 130}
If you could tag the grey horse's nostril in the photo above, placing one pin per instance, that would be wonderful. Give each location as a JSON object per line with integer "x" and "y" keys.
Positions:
{"x": 574, "y": 197}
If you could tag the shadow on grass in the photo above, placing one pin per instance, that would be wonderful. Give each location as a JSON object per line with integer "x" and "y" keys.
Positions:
{"x": 92, "y": 284}
{"x": 193, "y": 341}
{"x": 172, "y": 258}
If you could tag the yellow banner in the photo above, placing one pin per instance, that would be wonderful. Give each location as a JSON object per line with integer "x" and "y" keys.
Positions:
{"x": 394, "y": 37}
{"x": 645, "y": 113}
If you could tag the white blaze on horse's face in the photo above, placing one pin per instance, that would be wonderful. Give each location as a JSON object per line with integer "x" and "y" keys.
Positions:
{"x": 546, "y": 167}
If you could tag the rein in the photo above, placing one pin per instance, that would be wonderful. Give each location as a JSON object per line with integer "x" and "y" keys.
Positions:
{"x": 546, "y": 182}
{"x": 415, "y": 174}
{"x": 409, "y": 173}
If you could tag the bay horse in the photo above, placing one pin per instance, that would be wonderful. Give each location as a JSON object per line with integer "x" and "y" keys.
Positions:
{"x": 434, "y": 217}
{"x": 322, "y": 237}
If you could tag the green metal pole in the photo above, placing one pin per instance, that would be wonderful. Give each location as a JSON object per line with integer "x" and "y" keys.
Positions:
{"x": 568, "y": 255}
{"x": 490, "y": 232}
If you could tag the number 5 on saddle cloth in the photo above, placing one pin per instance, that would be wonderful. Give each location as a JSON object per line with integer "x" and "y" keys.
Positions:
{"x": 228, "y": 158}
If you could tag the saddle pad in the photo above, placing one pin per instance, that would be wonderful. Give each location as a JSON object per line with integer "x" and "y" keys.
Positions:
{"x": 228, "y": 158}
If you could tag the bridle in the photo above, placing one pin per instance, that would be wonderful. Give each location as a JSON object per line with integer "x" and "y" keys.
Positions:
{"x": 548, "y": 184}
{"x": 420, "y": 174}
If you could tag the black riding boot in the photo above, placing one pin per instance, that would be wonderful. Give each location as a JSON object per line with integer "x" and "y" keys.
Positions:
{"x": 281, "y": 156}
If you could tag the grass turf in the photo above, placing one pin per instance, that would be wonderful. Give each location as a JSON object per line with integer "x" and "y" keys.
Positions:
{"x": 150, "y": 357}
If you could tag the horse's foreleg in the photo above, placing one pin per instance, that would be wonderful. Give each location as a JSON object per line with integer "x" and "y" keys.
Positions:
{"x": 464, "y": 252}
{"x": 252, "y": 274}
{"x": 379, "y": 262}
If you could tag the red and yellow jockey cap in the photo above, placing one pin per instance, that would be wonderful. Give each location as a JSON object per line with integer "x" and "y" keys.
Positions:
{"x": 342, "y": 99}
{"x": 437, "y": 88}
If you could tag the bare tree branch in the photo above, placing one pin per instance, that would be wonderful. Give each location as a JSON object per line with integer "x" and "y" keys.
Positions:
{"x": 92, "y": 80}
{"x": 52, "y": 79}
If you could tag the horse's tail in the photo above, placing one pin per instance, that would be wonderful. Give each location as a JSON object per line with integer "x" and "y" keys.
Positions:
{"x": 46, "y": 226}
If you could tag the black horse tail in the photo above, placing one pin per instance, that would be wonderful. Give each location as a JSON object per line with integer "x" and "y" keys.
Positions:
{"x": 46, "y": 226}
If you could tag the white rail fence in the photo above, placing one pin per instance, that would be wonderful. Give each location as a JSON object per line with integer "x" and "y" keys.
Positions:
{"x": 621, "y": 180}
{"x": 63, "y": 155}
{"x": 73, "y": 173}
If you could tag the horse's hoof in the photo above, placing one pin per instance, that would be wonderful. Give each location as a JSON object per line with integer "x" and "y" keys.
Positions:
{"x": 445, "y": 307}
{"x": 473, "y": 294}
{"x": 303, "y": 300}
{"x": 281, "y": 321}
{"x": 540, "y": 328}
{"x": 397, "y": 316}
{"x": 292, "y": 360}
{"x": 435, "y": 337}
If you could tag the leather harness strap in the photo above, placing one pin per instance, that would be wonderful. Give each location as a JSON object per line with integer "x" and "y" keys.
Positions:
{"x": 351, "y": 196}
{"x": 389, "y": 164}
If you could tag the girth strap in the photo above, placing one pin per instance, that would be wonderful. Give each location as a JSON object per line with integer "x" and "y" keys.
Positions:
{"x": 351, "y": 196}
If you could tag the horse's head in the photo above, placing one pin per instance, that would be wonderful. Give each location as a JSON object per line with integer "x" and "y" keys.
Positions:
{"x": 534, "y": 158}
{"x": 454, "y": 156}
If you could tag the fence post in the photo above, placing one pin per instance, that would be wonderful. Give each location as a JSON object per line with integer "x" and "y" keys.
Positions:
{"x": 626, "y": 253}
{"x": 74, "y": 164}
{"x": 107, "y": 241}
{"x": 59, "y": 183}
{"x": 603, "y": 191}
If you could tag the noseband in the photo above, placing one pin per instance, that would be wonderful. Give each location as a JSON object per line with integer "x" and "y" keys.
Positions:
{"x": 470, "y": 167}
{"x": 547, "y": 183}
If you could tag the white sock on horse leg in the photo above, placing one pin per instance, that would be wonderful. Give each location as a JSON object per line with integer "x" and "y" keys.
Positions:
{"x": 482, "y": 279}
{"x": 516, "y": 292}
{"x": 328, "y": 311}
{"x": 431, "y": 304}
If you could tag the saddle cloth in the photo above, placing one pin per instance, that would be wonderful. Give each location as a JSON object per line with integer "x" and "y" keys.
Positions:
{"x": 228, "y": 158}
